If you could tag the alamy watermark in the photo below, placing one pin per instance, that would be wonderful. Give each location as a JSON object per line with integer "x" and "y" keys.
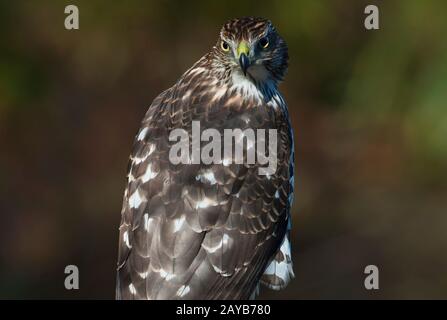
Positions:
{"x": 372, "y": 279}
{"x": 72, "y": 279}
{"x": 191, "y": 151}
{"x": 372, "y": 18}
{"x": 371, "y": 21}
{"x": 72, "y": 19}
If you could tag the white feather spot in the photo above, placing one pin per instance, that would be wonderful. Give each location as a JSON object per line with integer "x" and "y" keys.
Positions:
{"x": 126, "y": 239}
{"x": 135, "y": 200}
{"x": 277, "y": 194}
{"x": 138, "y": 160}
{"x": 183, "y": 291}
{"x": 212, "y": 249}
{"x": 149, "y": 174}
{"x": 207, "y": 177}
{"x": 221, "y": 272}
{"x": 271, "y": 269}
{"x": 283, "y": 269}
{"x": 204, "y": 203}
{"x": 219, "y": 93}
{"x": 166, "y": 275}
{"x": 224, "y": 241}
{"x": 178, "y": 223}
{"x": 227, "y": 161}
{"x": 187, "y": 94}
{"x": 217, "y": 269}
{"x": 142, "y": 134}
{"x": 147, "y": 221}
{"x": 132, "y": 289}
{"x": 198, "y": 70}
{"x": 285, "y": 247}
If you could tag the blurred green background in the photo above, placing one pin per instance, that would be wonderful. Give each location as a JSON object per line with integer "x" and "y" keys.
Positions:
{"x": 368, "y": 107}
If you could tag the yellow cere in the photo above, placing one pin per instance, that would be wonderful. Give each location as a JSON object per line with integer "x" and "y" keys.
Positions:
{"x": 243, "y": 48}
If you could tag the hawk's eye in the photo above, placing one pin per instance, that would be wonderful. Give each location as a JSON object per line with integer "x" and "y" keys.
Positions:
{"x": 264, "y": 42}
{"x": 225, "y": 46}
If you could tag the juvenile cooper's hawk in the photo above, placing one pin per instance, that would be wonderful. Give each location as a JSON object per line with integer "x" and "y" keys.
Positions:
{"x": 219, "y": 230}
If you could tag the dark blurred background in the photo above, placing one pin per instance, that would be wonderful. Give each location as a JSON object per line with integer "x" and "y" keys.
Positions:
{"x": 368, "y": 107}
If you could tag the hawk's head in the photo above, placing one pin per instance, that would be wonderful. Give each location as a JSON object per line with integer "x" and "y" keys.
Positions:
{"x": 251, "y": 47}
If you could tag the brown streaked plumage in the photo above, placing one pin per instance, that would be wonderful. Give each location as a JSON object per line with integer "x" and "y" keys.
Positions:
{"x": 196, "y": 231}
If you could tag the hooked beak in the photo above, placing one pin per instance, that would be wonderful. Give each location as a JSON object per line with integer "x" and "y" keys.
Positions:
{"x": 244, "y": 63}
{"x": 243, "y": 50}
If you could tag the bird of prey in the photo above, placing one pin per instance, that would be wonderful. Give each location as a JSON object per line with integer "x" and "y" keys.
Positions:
{"x": 217, "y": 230}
